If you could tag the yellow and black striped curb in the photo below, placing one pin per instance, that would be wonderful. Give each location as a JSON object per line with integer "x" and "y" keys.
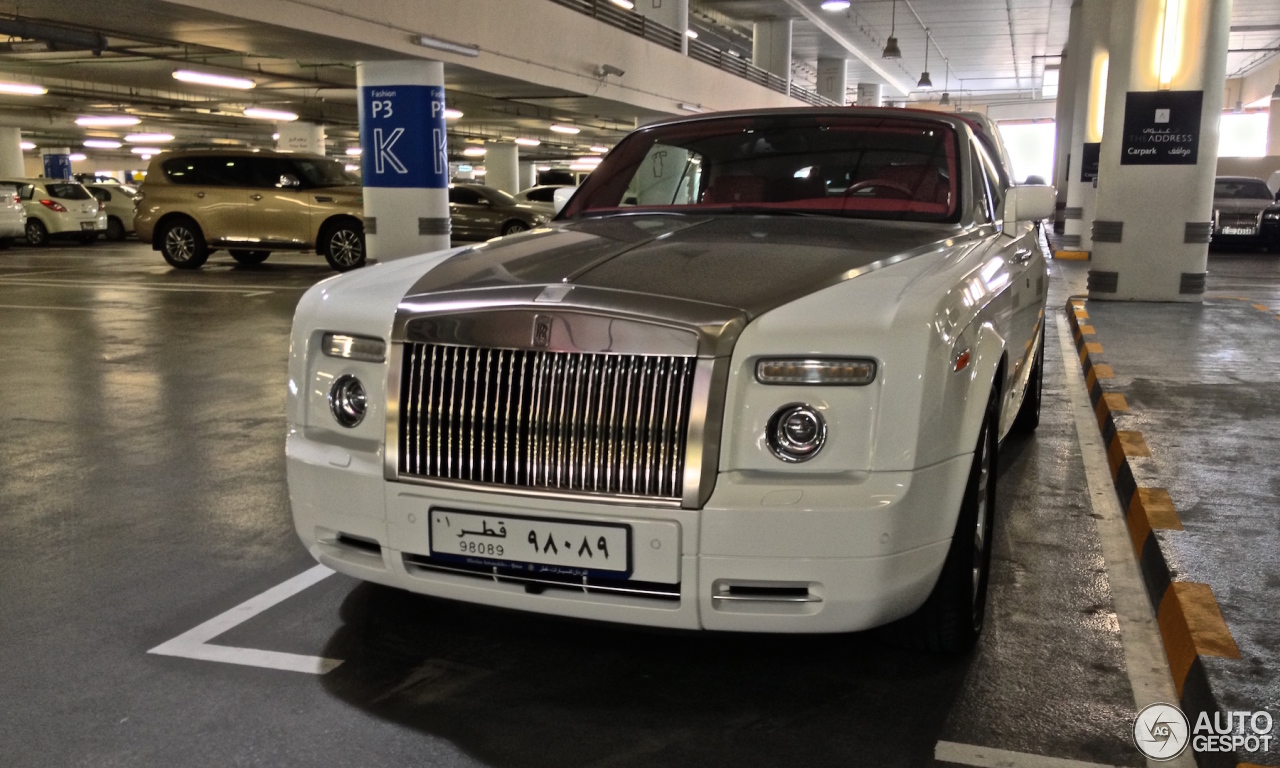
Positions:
{"x": 1191, "y": 624}
{"x": 1071, "y": 255}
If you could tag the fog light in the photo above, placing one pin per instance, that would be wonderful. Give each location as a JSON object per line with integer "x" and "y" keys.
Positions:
{"x": 354, "y": 347}
{"x": 796, "y": 432}
{"x": 835, "y": 371}
{"x": 347, "y": 401}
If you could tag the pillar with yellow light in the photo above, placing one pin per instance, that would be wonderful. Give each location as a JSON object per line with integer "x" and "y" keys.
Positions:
{"x": 1091, "y": 65}
{"x": 1159, "y": 149}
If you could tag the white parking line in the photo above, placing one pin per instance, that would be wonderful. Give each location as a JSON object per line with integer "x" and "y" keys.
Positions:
{"x": 194, "y": 643}
{"x": 1144, "y": 657}
{"x": 989, "y": 757}
{"x": 33, "y": 306}
{"x": 255, "y": 290}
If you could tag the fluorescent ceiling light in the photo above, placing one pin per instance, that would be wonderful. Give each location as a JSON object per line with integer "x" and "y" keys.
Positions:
{"x": 477, "y": 172}
{"x": 106, "y": 121}
{"x": 28, "y": 145}
{"x": 348, "y": 167}
{"x": 452, "y": 114}
{"x": 354, "y": 151}
{"x": 691, "y": 107}
{"x": 542, "y": 168}
{"x": 260, "y": 113}
{"x": 23, "y": 89}
{"x": 528, "y": 142}
{"x": 624, "y": 4}
{"x": 102, "y": 143}
{"x": 581, "y": 167}
{"x": 473, "y": 151}
{"x": 275, "y": 136}
{"x": 146, "y": 150}
{"x": 835, "y": 5}
{"x": 145, "y": 157}
{"x": 591, "y": 161}
{"x": 689, "y": 33}
{"x": 76, "y": 157}
{"x": 570, "y": 129}
{"x": 600, "y": 149}
{"x": 148, "y": 138}
{"x": 427, "y": 41}
{"x": 220, "y": 81}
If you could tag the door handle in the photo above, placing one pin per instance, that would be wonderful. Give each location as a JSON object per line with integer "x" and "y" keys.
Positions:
{"x": 255, "y": 197}
{"x": 1022, "y": 256}
{"x": 200, "y": 195}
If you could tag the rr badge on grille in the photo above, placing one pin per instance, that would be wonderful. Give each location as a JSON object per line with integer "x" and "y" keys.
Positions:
{"x": 541, "y": 331}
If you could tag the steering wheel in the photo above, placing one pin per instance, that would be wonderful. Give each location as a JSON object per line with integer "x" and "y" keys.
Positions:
{"x": 869, "y": 183}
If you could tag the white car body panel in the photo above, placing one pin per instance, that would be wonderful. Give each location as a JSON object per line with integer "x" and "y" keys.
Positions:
{"x": 13, "y": 216}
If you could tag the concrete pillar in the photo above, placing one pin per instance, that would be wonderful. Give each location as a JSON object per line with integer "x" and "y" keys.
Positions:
{"x": 528, "y": 175}
{"x": 502, "y": 166}
{"x": 298, "y": 136}
{"x": 771, "y": 48}
{"x": 1086, "y": 121}
{"x": 870, "y": 95}
{"x": 673, "y": 14}
{"x": 833, "y": 80}
{"x": 1064, "y": 114}
{"x": 405, "y": 160}
{"x": 57, "y": 163}
{"x": 1155, "y": 198}
{"x": 11, "y": 164}
{"x": 1273, "y": 124}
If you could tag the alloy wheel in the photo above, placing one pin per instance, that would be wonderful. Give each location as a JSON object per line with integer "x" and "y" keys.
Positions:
{"x": 345, "y": 248}
{"x": 180, "y": 243}
{"x": 981, "y": 528}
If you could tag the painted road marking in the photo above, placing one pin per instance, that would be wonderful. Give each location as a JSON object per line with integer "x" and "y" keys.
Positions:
{"x": 194, "y": 643}
{"x": 1145, "y": 661}
{"x": 990, "y": 757}
{"x": 180, "y": 287}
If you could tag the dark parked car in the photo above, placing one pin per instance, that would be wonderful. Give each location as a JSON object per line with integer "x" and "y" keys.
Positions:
{"x": 1244, "y": 213}
{"x": 480, "y": 213}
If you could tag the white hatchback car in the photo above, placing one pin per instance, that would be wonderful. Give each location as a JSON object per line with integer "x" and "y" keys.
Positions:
{"x": 58, "y": 208}
{"x": 119, "y": 200}
{"x": 13, "y": 217}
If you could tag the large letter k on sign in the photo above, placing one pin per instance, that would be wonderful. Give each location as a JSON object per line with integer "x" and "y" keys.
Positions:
{"x": 383, "y": 154}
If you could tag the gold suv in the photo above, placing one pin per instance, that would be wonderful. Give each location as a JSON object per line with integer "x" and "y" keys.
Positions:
{"x": 251, "y": 203}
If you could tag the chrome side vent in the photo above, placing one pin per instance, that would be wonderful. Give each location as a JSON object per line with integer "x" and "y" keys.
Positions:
{"x": 579, "y": 422}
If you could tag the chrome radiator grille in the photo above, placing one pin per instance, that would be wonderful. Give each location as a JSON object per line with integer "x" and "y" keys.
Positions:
{"x": 580, "y": 422}
{"x": 1226, "y": 219}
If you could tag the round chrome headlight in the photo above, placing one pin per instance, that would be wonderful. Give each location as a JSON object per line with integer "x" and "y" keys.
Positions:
{"x": 348, "y": 401}
{"x": 796, "y": 432}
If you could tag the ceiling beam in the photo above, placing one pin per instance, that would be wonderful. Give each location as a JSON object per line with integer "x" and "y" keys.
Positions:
{"x": 871, "y": 60}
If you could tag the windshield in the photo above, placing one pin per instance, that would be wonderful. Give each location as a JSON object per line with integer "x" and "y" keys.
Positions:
{"x": 68, "y": 191}
{"x": 1241, "y": 189}
{"x": 323, "y": 173}
{"x": 836, "y": 165}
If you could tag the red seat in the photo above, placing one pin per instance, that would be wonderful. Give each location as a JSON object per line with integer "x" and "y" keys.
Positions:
{"x": 734, "y": 189}
{"x": 926, "y": 184}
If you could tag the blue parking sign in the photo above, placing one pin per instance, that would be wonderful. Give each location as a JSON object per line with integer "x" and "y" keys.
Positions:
{"x": 402, "y": 133}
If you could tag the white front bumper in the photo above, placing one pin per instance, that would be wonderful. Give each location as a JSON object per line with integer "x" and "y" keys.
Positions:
{"x": 863, "y": 548}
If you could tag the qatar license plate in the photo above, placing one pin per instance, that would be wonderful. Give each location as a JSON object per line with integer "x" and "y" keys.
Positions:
{"x": 531, "y": 545}
{"x": 87, "y": 225}
{"x": 1239, "y": 231}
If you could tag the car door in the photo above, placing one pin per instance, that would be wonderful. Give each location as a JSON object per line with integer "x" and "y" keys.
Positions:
{"x": 214, "y": 190}
{"x": 470, "y": 214}
{"x": 279, "y": 212}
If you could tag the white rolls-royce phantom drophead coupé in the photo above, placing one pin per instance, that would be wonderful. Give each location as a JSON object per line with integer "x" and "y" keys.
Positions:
{"x": 752, "y": 377}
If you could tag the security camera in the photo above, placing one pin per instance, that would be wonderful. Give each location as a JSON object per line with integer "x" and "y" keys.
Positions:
{"x": 604, "y": 70}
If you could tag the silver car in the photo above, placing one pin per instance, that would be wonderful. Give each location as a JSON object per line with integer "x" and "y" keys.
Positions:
{"x": 479, "y": 213}
{"x": 1238, "y": 204}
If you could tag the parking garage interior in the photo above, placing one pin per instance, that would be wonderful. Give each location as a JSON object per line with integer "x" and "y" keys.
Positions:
{"x": 159, "y": 607}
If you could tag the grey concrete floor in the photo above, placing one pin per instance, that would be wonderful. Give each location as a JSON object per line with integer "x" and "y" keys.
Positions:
{"x": 1203, "y": 386}
{"x": 142, "y": 493}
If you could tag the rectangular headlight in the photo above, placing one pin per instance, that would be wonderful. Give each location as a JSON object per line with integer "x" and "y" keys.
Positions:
{"x": 822, "y": 371}
{"x": 354, "y": 347}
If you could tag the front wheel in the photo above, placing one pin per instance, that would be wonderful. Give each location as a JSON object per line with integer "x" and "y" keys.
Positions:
{"x": 952, "y": 618}
{"x": 342, "y": 245}
{"x": 512, "y": 227}
{"x": 115, "y": 229}
{"x": 37, "y": 234}
{"x": 182, "y": 244}
{"x": 249, "y": 258}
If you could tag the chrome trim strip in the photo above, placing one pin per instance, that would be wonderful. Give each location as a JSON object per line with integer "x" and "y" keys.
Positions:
{"x": 411, "y": 561}
{"x": 391, "y": 435}
{"x": 630, "y": 500}
{"x": 766, "y": 599}
{"x": 702, "y": 442}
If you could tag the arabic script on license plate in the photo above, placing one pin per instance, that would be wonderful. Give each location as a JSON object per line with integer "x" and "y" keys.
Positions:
{"x": 533, "y": 545}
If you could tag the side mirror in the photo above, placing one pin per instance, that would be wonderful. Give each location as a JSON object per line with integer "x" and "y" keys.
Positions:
{"x": 561, "y": 196}
{"x": 1029, "y": 202}
{"x": 289, "y": 181}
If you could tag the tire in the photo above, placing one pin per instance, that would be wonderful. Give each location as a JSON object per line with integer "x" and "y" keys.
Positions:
{"x": 88, "y": 239}
{"x": 951, "y": 620}
{"x": 182, "y": 244}
{"x": 1028, "y": 417}
{"x": 512, "y": 227}
{"x": 342, "y": 245}
{"x": 249, "y": 258}
{"x": 115, "y": 229}
{"x": 37, "y": 234}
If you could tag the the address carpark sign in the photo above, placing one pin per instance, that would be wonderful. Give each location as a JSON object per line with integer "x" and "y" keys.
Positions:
{"x": 402, "y": 133}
